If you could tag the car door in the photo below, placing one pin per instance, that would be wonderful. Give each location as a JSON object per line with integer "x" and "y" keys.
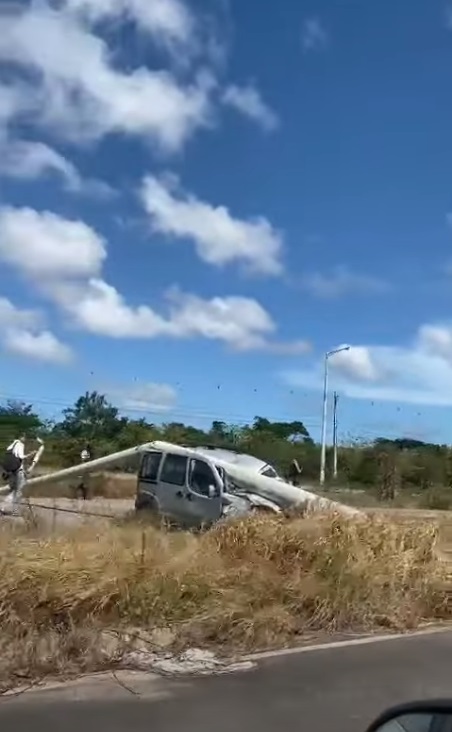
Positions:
{"x": 171, "y": 487}
{"x": 204, "y": 494}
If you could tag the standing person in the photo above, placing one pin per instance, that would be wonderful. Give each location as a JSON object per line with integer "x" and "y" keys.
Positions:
{"x": 294, "y": 472}
{"x": 85, "y": 456}
{"x": 14, "y": 470}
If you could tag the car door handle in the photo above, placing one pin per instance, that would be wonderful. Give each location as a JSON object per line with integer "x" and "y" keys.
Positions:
{"x": 179, "y": 494}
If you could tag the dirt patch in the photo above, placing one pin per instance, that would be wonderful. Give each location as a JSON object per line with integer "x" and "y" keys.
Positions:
{"x": 99, "y": 485}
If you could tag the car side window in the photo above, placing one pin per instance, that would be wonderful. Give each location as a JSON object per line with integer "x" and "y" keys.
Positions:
{"x": 174, "y": 469}
{"x": 201, "y": 477}
{"x": 150, "y": 466}
{"x": 269, "y": 472}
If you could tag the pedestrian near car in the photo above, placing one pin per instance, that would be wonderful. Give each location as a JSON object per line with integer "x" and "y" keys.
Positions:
{"x": 85, "y": 456}
{"x": 13, "y": 465}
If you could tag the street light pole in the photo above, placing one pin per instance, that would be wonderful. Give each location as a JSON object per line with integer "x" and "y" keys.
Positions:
{"x": 335, "y": 401}
{"x": 324, "y": 417}
{"x": 325, "y": 410}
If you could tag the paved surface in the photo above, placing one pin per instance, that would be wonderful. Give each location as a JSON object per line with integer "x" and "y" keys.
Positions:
{"x": 339, "y": 689}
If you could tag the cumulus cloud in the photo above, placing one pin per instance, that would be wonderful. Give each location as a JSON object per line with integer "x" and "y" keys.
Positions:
{"x": 342, "y": 281}
{"x": 358, "y": 363}
{"x": 248, "y": 101}
{"x": 218, "y": 236}
{"x": 65, "y": 72}
{"x": 99, "y": 308}
{"x": 43, "y": 244}
{"x": 63, "y": 259}
{"x": 82, "y": 95}
{"x": 170, "y": 22}
{"x": 43, "y": 346}
{"x": 21, "y": 333}
{"x": 30, "y": 160}
{"x": 17, "y": 318}
{"x": 418, "y": 373}
{"x": 147, "y": 397}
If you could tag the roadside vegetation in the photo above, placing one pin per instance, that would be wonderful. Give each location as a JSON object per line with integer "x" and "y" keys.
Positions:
{"x": 76, "y": 601}
{"x": 385, "y": 472}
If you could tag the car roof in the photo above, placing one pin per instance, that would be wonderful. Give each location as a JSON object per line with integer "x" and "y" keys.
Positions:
{"x": 229, "y": 456}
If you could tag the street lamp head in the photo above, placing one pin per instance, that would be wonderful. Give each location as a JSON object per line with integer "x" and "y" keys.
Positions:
{"x": 338, "y": 350}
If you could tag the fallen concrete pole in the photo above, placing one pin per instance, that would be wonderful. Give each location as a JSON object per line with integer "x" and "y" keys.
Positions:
{"x": 283, "y": 494}
{"x": 90, "y": 466}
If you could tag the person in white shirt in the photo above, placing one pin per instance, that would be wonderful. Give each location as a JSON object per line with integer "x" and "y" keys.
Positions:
{"x": 17, "y": 478}
{"x": 82, "y": 487}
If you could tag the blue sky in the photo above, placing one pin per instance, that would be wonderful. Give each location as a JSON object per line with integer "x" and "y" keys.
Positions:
{"x": 198, "y": 198}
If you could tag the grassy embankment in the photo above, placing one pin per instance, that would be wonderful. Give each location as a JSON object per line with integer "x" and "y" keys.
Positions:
{"x": 73, "y": 601}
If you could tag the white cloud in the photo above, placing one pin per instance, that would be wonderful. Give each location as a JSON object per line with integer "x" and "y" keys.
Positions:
{"x": 341, "y": 281}
{"x": 43, "y": 244}
{"x": 16, "y": 318}
{"x": 419, "y": 373}
{"x": 29, "y": 160}
{"x": 148, "y": 397}
{"x": 64, "y": 258}
{"x": 314, "y": 36}
{"x": 168, "y": 21}
{"x": 248, "y": 101}
{"x": 42, "y": 346}
{"x": 20, "y": 334}
{"x": 15, "y": 99}
{"x": 278, "y": 348}
{"x": 97, "y": 307}
{"x": 239, "y": 322}
{"x": 358, "y": 363}
{"x": 219, "y": 237}
{"x": 82, "y": 95}
{"x": 66, "y": 77}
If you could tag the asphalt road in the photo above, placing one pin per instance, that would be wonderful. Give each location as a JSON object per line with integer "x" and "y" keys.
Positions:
{"x": 340, "y": 689}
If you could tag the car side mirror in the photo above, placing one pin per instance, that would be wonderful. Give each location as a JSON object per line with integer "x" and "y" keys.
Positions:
{"x": 213, "y": 491}
{"x": 427, "y": 716}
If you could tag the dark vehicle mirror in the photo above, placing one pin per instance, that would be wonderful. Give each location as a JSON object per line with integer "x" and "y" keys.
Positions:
{"x": 435, "y": 716}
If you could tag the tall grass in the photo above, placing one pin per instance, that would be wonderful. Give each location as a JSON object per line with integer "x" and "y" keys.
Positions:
{"x": 257, "y": 583}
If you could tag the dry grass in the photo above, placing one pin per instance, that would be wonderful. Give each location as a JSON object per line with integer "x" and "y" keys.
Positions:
{"x": 258, "y": 583}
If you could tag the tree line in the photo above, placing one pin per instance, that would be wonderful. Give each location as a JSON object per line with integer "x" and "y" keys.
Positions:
{"x": 384, "y": 464}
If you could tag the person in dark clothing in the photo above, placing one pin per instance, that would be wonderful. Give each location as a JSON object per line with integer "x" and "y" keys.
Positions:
{"x": 294, "y": 473}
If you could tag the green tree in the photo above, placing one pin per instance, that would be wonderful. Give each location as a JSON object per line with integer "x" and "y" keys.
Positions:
{"x": 92, "y": 418}
{"x": 184, "y": 434}
{"x": 18, "y": 418}
{"x": 293, "y": 431}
